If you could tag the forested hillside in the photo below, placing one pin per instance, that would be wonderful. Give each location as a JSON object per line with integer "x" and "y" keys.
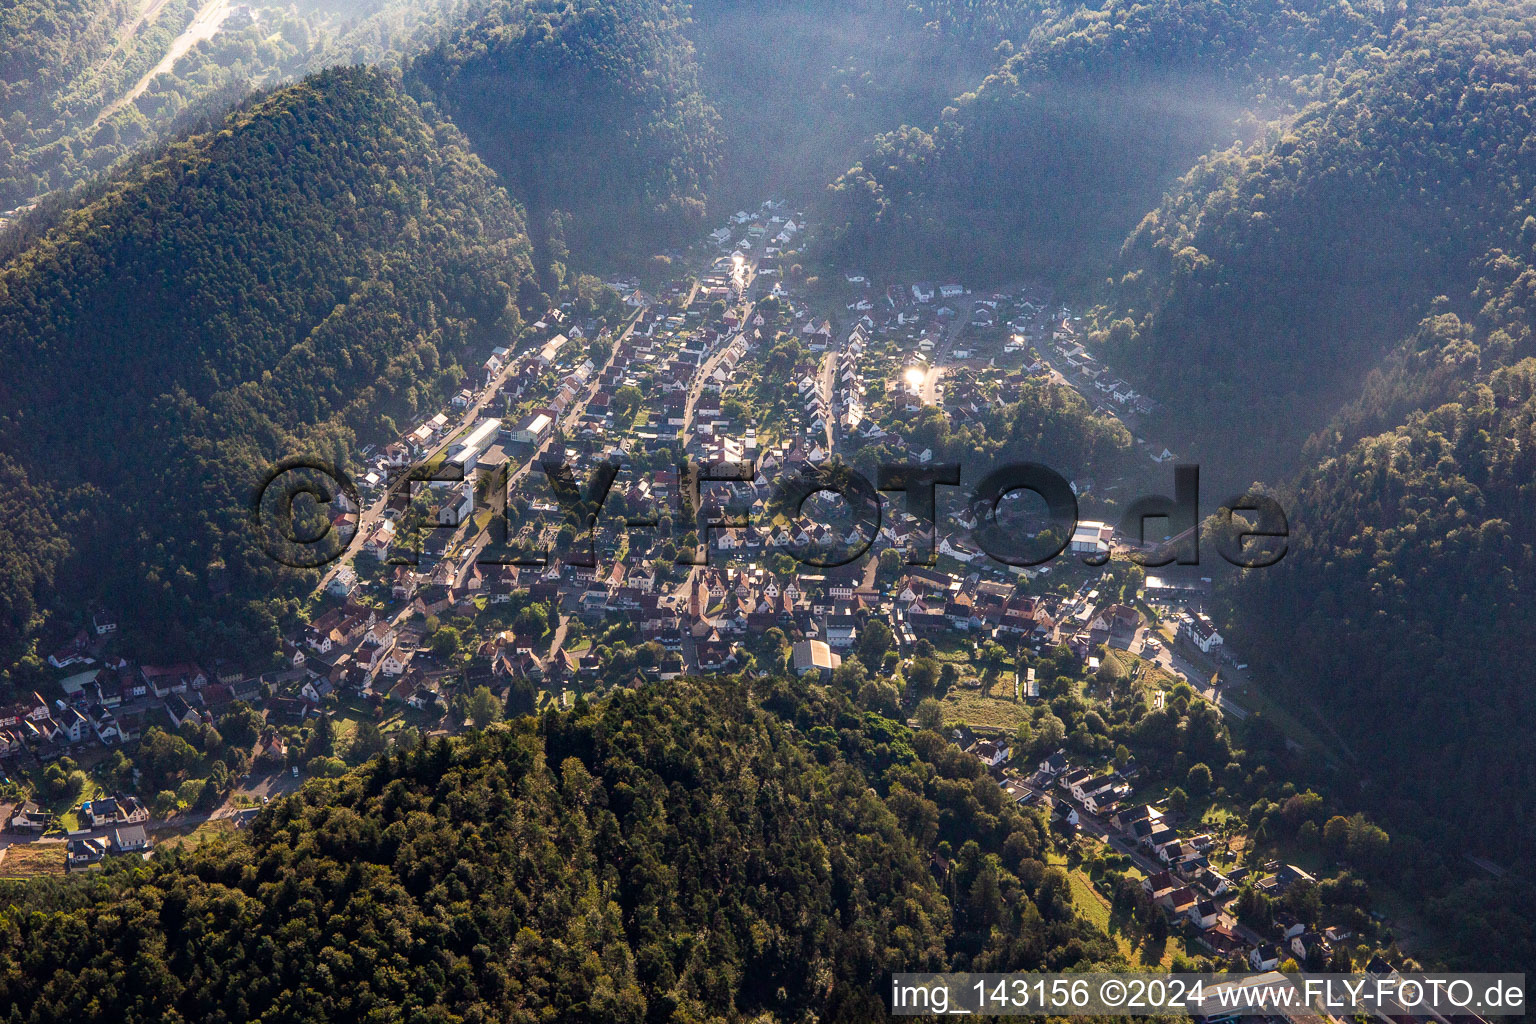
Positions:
{"x": 592, "y": 115}
{"x": 1271, "y": 280}
{"x": 1311, "y": 229}
{"x": 803, "y": 86}
{"x": 1403, "y": 613}
{"x": 43, "y": 44}
{"x": 76, "y": 92}
{"x": 602, "y": 112}
{"x": 1405, "y": 601}
{"x": 1053, "y": 423}
{"x": 61, "y": 65}
{"x": 32, "y": 544}
{"x": 282, "y": 285}
{"x": 694, "y": 851}
{"x": 1344, "y": 302}
{"x": 1046, "y": 167}
{"x": 988, "y": 22}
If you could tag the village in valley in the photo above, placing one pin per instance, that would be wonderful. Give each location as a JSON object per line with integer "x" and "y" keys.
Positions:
{"x": 495, "y": 584}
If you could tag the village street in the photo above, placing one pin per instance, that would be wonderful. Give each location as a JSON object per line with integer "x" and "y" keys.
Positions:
{"x": 572, "y": 416}
{"x": 679, "y": 596}
{"x": 370, "y": 516}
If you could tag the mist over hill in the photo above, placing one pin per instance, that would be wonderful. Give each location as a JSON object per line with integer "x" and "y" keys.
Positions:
{"x": 1307, "y": 230}
{"x": 593, "y": 113}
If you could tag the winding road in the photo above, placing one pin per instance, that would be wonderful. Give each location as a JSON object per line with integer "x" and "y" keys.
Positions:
{"x": 210, "y": 18}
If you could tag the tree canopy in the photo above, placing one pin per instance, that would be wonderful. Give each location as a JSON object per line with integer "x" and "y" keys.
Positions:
{"x": 694, "y": 850}
{"x": 289, "y": 283}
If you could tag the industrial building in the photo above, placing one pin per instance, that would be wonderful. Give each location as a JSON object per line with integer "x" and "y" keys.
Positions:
{"x": 466, "y": 454}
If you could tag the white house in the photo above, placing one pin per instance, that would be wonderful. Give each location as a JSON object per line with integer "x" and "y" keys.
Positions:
{"x": 130, "y": 839}
{"x": 1265, "y": 957}
{"x": 1083, "y": 789}
{"x": 1202, "y": 632}
{"x": 379, "y": 540}
{"x": 396, "y": 661}
{"x": 841, "y": 635}
{"x": 1204, "y": 914}
{"x": 343, "y": 583}
{"x": 958, "y": 549}
{"x": 993, "y": 752}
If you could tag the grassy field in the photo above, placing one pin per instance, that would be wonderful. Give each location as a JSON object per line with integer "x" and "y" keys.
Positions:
{"x": 1138, "y": 950}
{"x": 1088, "y": 901}
{"x": 1095, "y": 908}
{"x": 1156, "y": 676}
{"x": 350, "y": 713}
{"x": 32, "y": 860}
{"x": 949, "y": 648}
{"x": 1217, "y": 814}
{"x": 1125, "y": 659}
{"x": 988, "y": 708}
{"x": 345, "y": 720}
{"x": 1153, "y": 675}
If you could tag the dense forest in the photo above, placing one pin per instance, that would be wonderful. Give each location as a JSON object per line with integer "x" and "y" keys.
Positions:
{"x": 1044, "y": 169}
{"x": 1403, "y": 612}
{"x": 61, "y": 65}
{"x": 1409, "y": 546}
{"x": 604, "y": 112}
{"x": 592, "y": 115}
{"x": 43, "y": 45}
{"x": 992, "y": 23}
{"x": 77, "y": 96}
{"x": 1049, "y": 423}
{"x": 699, "y": 850}
{"x": 801, "y": 86}
{"x": 32, "y": 544}
{"x": 1272, "y": 279}
{"x": 284, "y": 284}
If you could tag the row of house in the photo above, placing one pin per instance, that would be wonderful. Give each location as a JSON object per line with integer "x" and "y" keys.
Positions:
{"x": 108, "y": 706}
{"x": 1187, "y": 887}
{"x": 101, "y": 812}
